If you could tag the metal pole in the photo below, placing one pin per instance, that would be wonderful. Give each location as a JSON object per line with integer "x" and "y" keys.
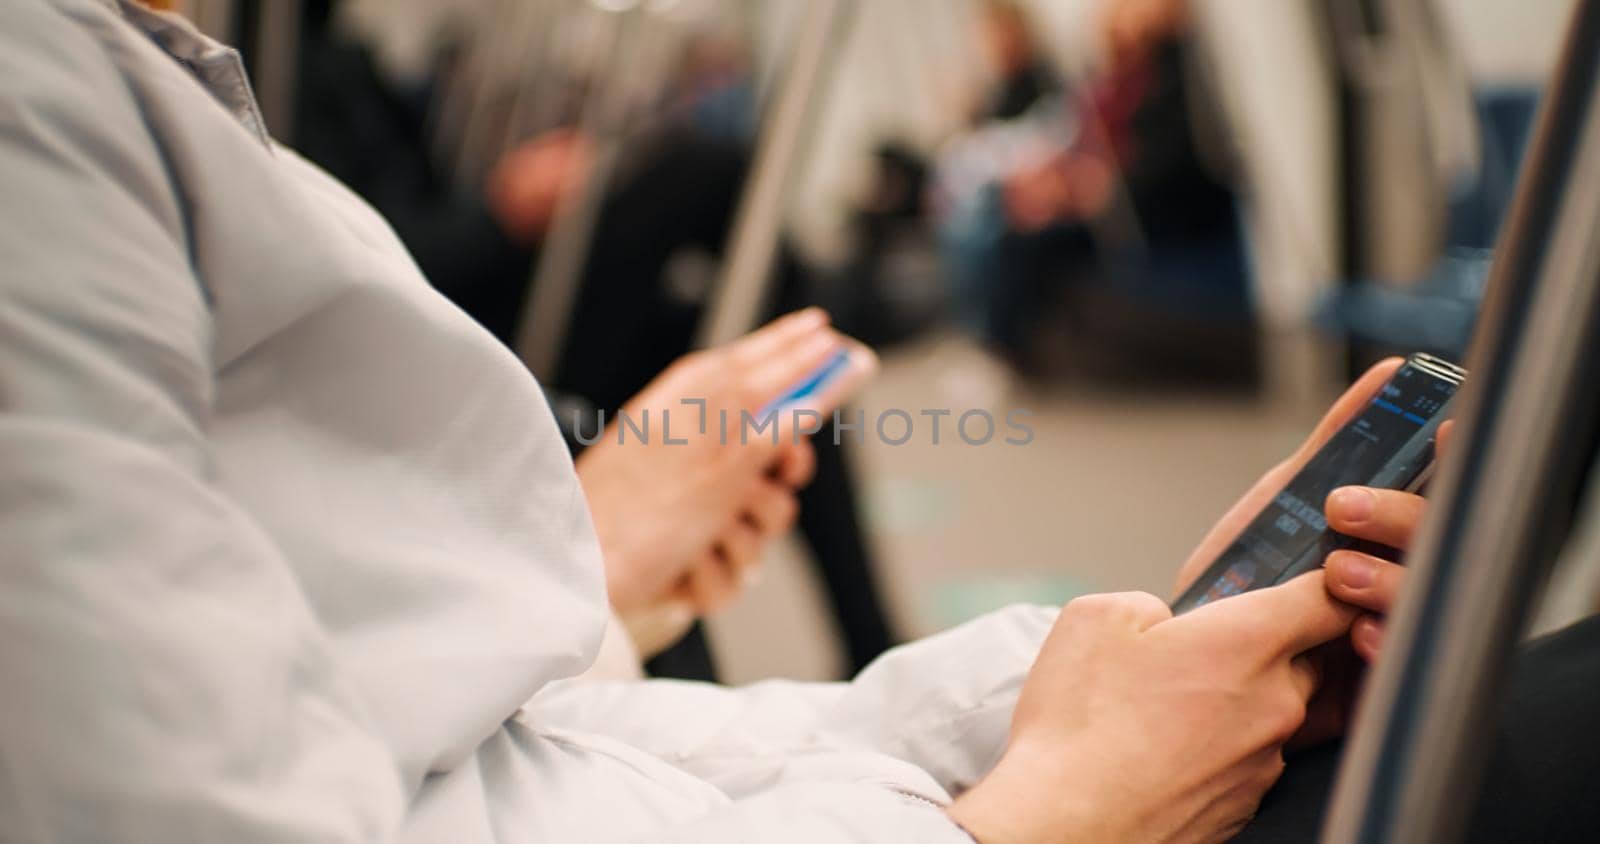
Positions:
{"x": 277, "y": 51}
{"x": 548, "y": 312}
{"x": 1415, "y": 763}
{"x": 482, "y": 80}
{"x": 736, "y": 300}
{"x": 216, "y": 18}
{"x": 538, "y": 35}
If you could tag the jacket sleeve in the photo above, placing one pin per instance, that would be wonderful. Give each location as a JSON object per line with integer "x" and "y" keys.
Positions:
{"x": 929, "y": 718}
{"x": 164, "y": 679}
{"x": 820, "y": 812}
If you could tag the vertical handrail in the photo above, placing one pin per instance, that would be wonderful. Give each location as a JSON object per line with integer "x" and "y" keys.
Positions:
{"x": 547, "y": 313}
{"x": 277, "y": 62}
{"x": 740, "y": 291}
{"x": 216, "y": 18}
{"x": 540, "y": 38}
{"x": 499, "y": 43}
{"x": 1413, "y": 766}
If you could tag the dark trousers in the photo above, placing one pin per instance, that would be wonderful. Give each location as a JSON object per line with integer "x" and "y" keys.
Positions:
{"x": 1543, "y": 780}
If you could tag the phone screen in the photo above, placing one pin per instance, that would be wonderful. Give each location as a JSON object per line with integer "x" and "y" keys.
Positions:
{"x": 1389, "y": 445}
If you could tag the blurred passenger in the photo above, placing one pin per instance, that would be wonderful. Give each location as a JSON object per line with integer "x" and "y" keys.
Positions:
{"x": 714, "y": 90}
{"x": 1110, "y": 211}
{"x": 889, "y": 222}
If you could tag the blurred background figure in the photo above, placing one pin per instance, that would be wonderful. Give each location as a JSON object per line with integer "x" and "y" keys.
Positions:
{"x": 1108, "y": 231}
{"x": 1169, "y": 231}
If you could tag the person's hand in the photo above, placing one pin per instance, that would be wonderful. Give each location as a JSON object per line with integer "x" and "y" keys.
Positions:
{"x": 683, "y": 521}
{"x": 1228, "y": 528}
{"x": 1065, "y": 187}
{"x": 1391, "y": 523}
{"x": 1137, "y": 726}
{"x": 527, "y": 186}
{"x": 1329, "y": 713}
{"x": 1387, "y": 517}
{"x": 1037, "y": 196}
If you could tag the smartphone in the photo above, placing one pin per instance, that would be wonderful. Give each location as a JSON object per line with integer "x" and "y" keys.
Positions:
{"x": 1389, "y": 445}
{"x": 812, "y": 384}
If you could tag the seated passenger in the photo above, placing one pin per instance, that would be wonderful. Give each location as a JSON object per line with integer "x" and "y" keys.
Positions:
{"x": 1107, "y": 220}
{"x": 293, "y": 550}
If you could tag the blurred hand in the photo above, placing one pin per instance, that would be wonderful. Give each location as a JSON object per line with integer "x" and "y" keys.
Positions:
{"x": 526, "y": 188}
{"x": 1068, "y": 187}
{"x": 1038, "y": 196}
{"x": 681, "y": 524}
{"x": 1137, "y": 726}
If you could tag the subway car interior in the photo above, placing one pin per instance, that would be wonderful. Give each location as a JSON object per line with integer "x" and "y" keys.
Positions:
{"x": 977, "y": 319}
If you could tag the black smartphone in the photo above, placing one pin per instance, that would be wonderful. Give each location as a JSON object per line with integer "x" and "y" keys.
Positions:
{"x": 1389, "y": 445}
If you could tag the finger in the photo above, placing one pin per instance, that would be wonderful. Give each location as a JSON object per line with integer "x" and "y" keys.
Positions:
{"x": 1366, "y": 636}
{"x": 1305, "y": 674}
{"x": 711, "y": 584}
{"x": 771, "y": 509}
{"x": 1134, "y": 611}
{"x": 1441, "y": 440}
{"x": 1294, "y": 617}
{"x": 1146, "y": 610}
{"x": 860, "y": 367}
{"x": 1349, "y": 405}
{"x": 767, "y": 379}
{"x": 739, "y": 548}
{"x": 772, "y": 339}
{"x": 1364, "y": 580}
{"x": 796, "y": 465}
{"x": 1385, "y": 516}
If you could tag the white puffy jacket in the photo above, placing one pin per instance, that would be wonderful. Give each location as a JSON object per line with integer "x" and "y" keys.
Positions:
{"x": 290, "y": 550}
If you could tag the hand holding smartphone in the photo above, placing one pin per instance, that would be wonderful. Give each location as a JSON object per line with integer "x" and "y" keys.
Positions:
{"x": 1388, "y": 445}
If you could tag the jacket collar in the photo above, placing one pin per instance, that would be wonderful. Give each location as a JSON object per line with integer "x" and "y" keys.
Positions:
{"x": 216, "y": 66}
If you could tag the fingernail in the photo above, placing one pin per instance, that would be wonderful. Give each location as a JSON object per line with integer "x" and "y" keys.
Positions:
{"x": 1353, "y": 503}
{"x": 812, "y": 315}
{"x": 822, "y": 346}
{"x": 1368, "y": 633}
{"x": 1354, "y": 570}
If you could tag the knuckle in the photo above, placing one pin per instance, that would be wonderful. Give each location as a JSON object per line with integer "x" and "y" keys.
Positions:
{"x": 745, "y": 544}
{"x": 1098, "y": 605}
{"x": 689, "y": 363}
{"x": 1116, "y": 605}
{"x": 1268, "y": 773}
{"x": 703, "y": 595}
{"x": 734, "y": 551}
{"x": 1146, "y": 605}
{"x": 1287, "y": 716}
